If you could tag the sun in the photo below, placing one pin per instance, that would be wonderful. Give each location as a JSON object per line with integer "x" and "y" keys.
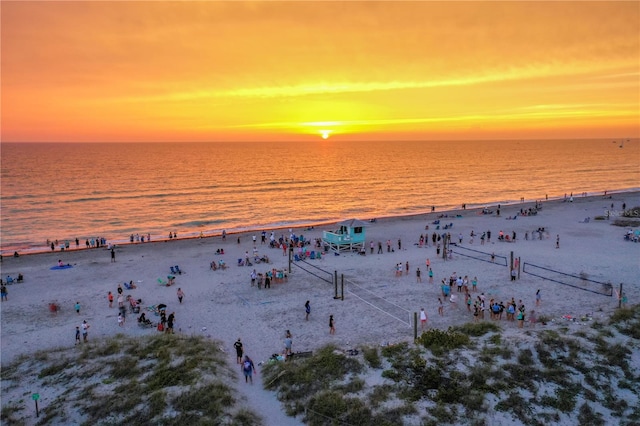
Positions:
{"x": 325, "y": 134}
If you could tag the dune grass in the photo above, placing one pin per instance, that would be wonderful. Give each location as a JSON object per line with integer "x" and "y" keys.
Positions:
{"x": 160, "y": 380}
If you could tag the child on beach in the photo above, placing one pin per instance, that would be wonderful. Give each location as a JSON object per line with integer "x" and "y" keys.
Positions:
{"x": 307, "y": 310}
{"x": 180, "y": 294}
{"x": 110, "y": 298}
{"x": 77, "y": 335}
{"x": 332, "y": 328}
{"x": 77, "y": 307}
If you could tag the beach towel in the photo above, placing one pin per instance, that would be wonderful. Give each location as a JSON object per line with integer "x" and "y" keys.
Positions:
{"x": 53, "y": 268}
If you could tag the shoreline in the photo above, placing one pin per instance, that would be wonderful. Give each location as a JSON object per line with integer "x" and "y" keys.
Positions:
{"x": 409, "y": 216}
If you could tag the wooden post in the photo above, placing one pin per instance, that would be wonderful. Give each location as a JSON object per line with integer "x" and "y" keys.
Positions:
{"x": 620, "y": 297}
{"x": 335, "y": 282}
{"x": 511, "y": 265}
{"x": 290, "y": 253}
{"x": 415, "y": 326}
{"x": 342, "y": 286}
{"x": 519, "y": 266}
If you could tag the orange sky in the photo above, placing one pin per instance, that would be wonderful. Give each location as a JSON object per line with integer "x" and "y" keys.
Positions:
{"x": 209, "y": 71}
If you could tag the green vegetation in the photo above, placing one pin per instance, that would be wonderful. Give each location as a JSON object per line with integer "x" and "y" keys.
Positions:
{"x": 453, "y": 376}
{"x": 161, "y": 379}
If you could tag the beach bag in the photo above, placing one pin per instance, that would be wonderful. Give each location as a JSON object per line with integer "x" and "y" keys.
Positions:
{"x": 160, "y": 327}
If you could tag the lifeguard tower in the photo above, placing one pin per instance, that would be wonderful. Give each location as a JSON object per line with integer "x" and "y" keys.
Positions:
{"x": 350, "y": 236}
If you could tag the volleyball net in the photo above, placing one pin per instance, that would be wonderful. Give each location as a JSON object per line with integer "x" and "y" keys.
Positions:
{"x": 480, "y": 255}
{"x": 314, "y": 270}
{"x": 580, "y": 281}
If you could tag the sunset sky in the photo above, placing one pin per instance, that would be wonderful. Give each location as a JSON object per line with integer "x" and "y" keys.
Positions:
{"x": 217, "y": 71}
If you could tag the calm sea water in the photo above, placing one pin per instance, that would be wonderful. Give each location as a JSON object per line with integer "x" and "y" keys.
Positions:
{"x": 64, "y": 191}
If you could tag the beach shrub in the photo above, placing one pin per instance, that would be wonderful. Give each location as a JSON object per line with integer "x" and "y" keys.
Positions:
{"x": 515, "y": 404}
{"x": 330, "y": 407}
{"x": 379, "y": 394}
{"x": 356, "y": 384}
{"x": 443, "y": 413}
{"x": 53, "y": 369}
{"x": 391, "y": 351}
{"x": 372, "y": 357}
{"x": 439, "y": 341}
{"x": 477, "y": 329}
{"x": 587, "y": 416}
{"x": 624, "y": 314}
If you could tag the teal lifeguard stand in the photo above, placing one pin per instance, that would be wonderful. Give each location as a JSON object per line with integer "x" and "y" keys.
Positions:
{"x": 350, "y": 236}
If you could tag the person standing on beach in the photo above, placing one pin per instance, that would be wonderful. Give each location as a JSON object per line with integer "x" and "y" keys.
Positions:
{"x": 423, "y": 318}
{"x": 3, "y": 293}
{"x": 307, "y": 310}
{"x": 85, "y": 331}
{"x": 418, "y": 278}
{"x": 440, "y": 307}
{"x": 120, "y": 320}
{"x": 77, "y": 335}
{"x": 120, "y": 301}
{"x": 332, "y": 328}
{"x": 77, "y": 307}
{"x": 558, "y": 241}
{"x": 239, "y": 350}
{"x": 288, "y": 342}
{"x": 399, "y": 244}
{"x": 180, "y": 294}
{"x": 110, "y": 299}
{"x": 113, "y": 255}
{"x": 248, "y": 368}
{"x": 538, "y": 297}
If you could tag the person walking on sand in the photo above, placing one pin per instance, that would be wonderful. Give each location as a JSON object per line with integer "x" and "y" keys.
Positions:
{"x": 77, "y": 307}
{"x": 423, "y": 318}
{"x": 3, "y": 293}
{"x": 110, "y": 298}
{"x": 307, "y": 310}
{"x": 538, "y": 297}
{"x": 558, "y": 241}
{"x": 180, "y": 294}
{"x": 418, "y": 278}
{"x": 113, "y": 255}
{"x": 85, "y": 331}
{"x": 239, "y": 350}
{"x": 440, "y": 307}
{"x": 248, "y": 368}
{"x": 332, "y": 328}
{"x": 120, "y": 320}
{"x": 77, "y": 335}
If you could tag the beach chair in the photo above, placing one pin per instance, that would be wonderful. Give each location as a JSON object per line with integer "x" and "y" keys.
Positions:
{"x": 318, "y": 256}
{"x": 296, "y": 258}
{"x": 20, "y": 278}
{"x": 178, "y": 270}
{"x": 173, "y": 271}
{"x": 312, "y": 255}
{"x": 9, "y": 279}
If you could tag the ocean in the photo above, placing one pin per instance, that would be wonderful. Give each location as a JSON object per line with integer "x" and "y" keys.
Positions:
{"x": 66, "y": 191}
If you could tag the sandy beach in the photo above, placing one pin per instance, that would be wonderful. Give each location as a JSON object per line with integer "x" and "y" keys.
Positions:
{"x": 222, "y": 304}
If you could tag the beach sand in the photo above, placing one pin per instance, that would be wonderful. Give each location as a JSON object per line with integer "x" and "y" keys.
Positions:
{"x": 223, "y": 305}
